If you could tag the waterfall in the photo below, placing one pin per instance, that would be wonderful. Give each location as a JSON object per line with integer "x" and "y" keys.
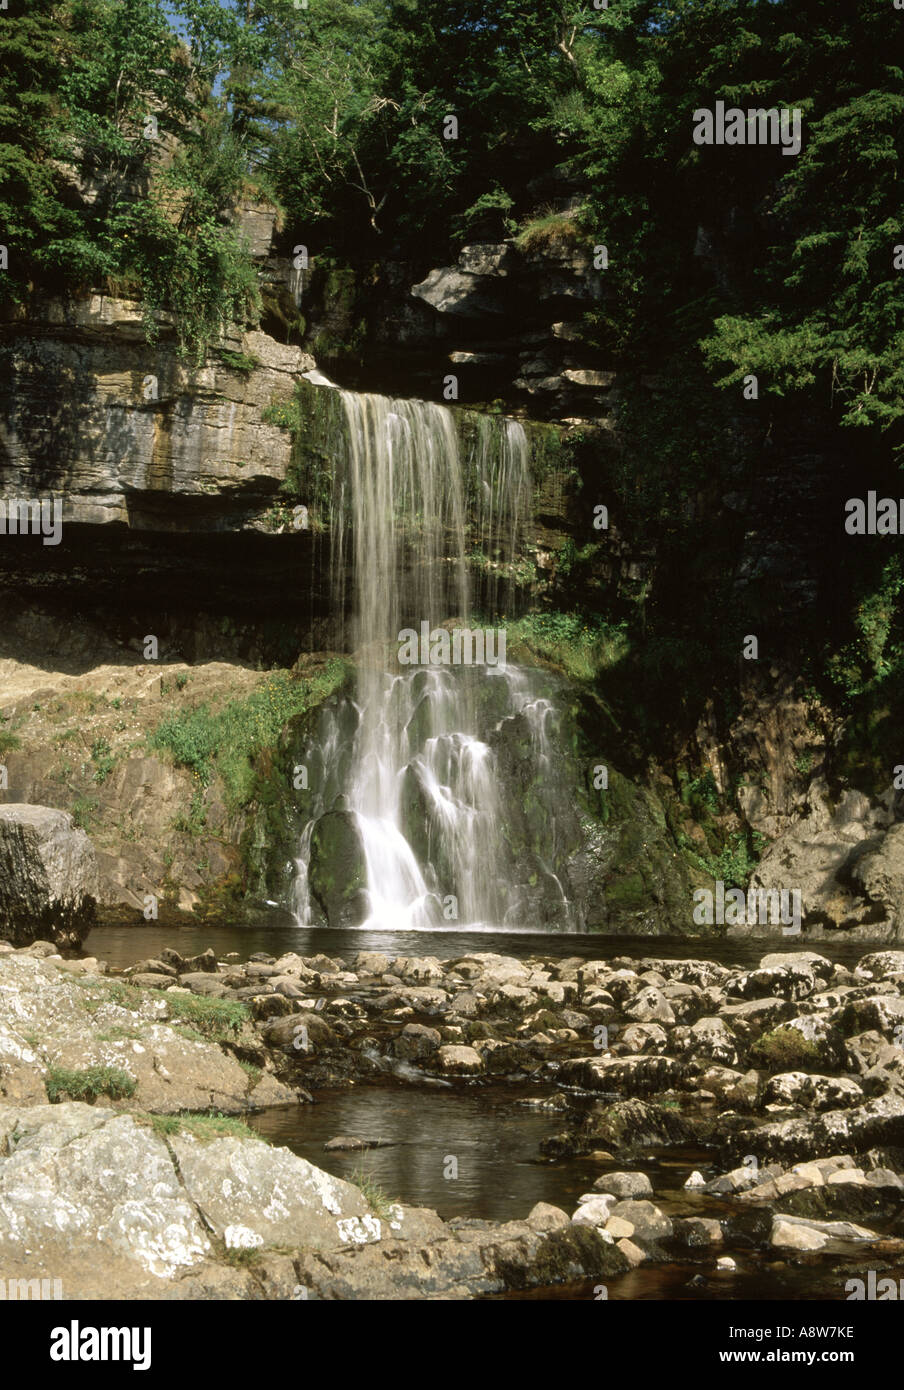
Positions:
{"x": 419, "y": 773}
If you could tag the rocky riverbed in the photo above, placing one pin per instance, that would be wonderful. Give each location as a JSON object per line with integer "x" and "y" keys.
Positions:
{"x": 731, "y": 1120}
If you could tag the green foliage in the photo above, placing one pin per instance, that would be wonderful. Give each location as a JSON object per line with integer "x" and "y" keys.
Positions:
{"x": 103, "y": 758}
{"x": 700, "y": 793}
{"x": 233, "y": 740}
{"x": 239, "y": 362}
{"x": 380, "y": 1204}
{"x": 579, "y": 645}
{"x": 875, "y": 654}
{"x": 123, "y": 995}
{"x": 88, "y": 1083}
{"x": 734, "y": 862}
{"x": 218, "y": 1020}
{"x": 203, "y": 1126}
{"x": 85, "y": 812}
{"x": 9, "y": 741}
{"x": 550, "y": 232}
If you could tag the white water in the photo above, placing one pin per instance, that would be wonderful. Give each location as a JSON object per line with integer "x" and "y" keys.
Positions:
{"x": 406, "y": 507}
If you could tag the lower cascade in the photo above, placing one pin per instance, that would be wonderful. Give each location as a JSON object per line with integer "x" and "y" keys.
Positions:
{"x": 434, "y": 791}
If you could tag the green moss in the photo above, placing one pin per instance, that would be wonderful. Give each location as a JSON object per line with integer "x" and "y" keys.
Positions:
{"x": 627, "y": 891}
{"x": 784, "y": 1049}
{"x": 244, "y": 362}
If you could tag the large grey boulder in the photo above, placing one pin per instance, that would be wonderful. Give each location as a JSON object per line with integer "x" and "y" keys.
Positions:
{"x": 847, "y": 862}
{"x": 101, "y": 1202}
{"x": 48, "y": 877}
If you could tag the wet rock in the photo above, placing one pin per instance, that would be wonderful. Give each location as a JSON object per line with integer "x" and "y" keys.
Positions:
{"x": 878, "y": 965}
{"x": 416, "y": 1042}
{"x": 466, "y": 1259}
{"x": 351, "y": 1144}
{"x": 879, "y": 1122}
{"x": 651, "y": 1226}
{"x": 813, "y": 1037}
{"x": 800, "y": 1233}
{"x": 153, "y": 967}
{"x": 756, "y": 1016}
{"x": 632, "y": 1253}
{"x": 644, "y": 1037}
{"x": 883, "y": 1013}
{"x": 201, "y": 983}
{"x": 305, "y": 1028}
{"x": 698, "y": 1231}
{"x": 816, "y": 1092}
{"x": 631, "y": 1076}
{"x": 337, "y": 871}
{"x": 711, "y": 1039}
{"x": 265, "y": 1007}
{"x": 625, "y": 1125}
{"x": 593, "y": 1210}
{"x": 206, "y": 961}
{"x": 371, "y": 963}
{"x": 792, "y": 980}
{"x": 423, "y": 970}
{"x": 147, "y": 980}
{"x": 424, "y": 999}
{"x": 737, "y": 1180}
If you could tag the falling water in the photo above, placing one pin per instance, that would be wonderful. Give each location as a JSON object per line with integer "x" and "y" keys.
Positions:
{"x": 422, "y": 784}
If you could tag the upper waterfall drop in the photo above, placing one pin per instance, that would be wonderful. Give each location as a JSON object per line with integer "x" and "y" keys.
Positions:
{"x": 415, "y": 783}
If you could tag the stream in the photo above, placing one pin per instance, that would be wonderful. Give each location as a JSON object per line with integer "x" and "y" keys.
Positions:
{"x": 492, "y": 1130}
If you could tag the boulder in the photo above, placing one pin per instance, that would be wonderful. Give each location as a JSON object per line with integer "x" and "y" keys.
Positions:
{"x": 464, "y": 1061}
{"x": 48, "y": 877}
{"x": 99, "y": 1201}
{"x": 624, "y": 1185}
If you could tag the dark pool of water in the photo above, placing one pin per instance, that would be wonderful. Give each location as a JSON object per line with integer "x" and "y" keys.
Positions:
{"x": 123, "y": 946}
{"x": 482, "y": 1133}
{"x": 494, "y": 1141}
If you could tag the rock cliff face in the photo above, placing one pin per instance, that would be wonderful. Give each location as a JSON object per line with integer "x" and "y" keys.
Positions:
{"x": 502, "y": 320}
{"x": 126, "y": 433}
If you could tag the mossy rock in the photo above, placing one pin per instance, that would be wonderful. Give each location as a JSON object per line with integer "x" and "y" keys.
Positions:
{"x": 338, "y": 869}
